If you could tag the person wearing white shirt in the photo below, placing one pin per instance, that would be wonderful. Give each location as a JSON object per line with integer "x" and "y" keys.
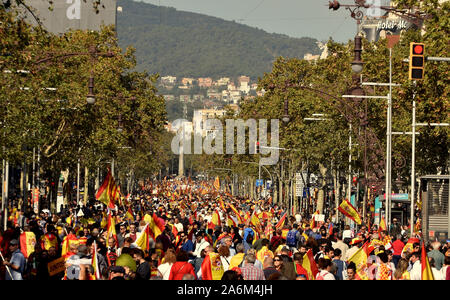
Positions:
{"x": 164, "y": 268}
{"x": 200, "y": 244}
{"x": 416, "y": 270}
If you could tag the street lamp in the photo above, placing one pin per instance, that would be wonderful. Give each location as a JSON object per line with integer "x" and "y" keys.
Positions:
{"x": 90, "y": 98}
{"x": 357, "y": 63}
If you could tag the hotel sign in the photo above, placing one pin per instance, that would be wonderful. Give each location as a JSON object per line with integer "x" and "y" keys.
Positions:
{"x": 71, "y": 14}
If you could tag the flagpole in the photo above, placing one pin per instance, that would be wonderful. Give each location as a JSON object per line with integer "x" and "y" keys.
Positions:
{"x": 7, "y": 267}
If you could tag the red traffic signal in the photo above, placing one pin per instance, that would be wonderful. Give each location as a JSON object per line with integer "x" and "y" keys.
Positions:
{"x": 416, "y": 61}
{"x": 418, "y": 49}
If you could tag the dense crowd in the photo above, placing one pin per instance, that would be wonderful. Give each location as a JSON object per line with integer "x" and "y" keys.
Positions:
{"x": 204, "y": 234}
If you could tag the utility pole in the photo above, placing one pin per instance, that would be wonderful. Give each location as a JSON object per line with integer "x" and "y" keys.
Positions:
{"x": 181, "y": 159}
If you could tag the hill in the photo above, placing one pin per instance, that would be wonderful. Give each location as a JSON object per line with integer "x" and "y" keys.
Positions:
{"x": 182, "y": 44}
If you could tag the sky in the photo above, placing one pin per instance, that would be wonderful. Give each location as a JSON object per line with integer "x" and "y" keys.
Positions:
{"x": 295, "y": 18}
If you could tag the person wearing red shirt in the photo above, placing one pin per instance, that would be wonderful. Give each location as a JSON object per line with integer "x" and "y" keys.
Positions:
{"x": 181, "y": 267}
{"x": 298, "y": 260}
{"x": 397, "y": 248}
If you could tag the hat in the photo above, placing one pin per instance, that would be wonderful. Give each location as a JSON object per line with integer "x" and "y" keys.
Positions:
{"x": 14, "y": 242}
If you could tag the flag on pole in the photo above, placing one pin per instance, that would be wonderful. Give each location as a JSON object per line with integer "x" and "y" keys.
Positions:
{"x": 111, "y": 230}
{"x": 313, "y": 219}
{"x": 222, "y": 205}
{"x": 129, "y": 215}
{"x": 382, "y": 226}
{"x": 310, "y": 265}
{"x": 427, "y": 273}
{"x": 231, "y": 221}
{"x": 215, "y": 218}
{"x": 94, "y": 262}
{"x": 27, "y": 243}
{"x": 107, "y": 191}
{"x": 349, "y": 211}
{"x": 360, "y": 260}
{"x": 217, "y": 183}
{"x": 280, "y": 223}
{"x": 236, "y": 212}
{"x": 142, "y": 242}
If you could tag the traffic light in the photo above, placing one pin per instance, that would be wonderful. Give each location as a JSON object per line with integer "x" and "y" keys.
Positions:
{"x": 256, "y": 147}
{"x": 416, "y": 61}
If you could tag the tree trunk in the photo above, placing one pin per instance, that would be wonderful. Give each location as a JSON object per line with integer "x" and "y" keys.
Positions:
{"x": 66, "y": 188}
{"x": 321, "y": 195}
{"x": 86, "y": 185}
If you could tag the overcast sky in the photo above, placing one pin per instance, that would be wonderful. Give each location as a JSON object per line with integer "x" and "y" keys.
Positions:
{"x": 295, "y": 18}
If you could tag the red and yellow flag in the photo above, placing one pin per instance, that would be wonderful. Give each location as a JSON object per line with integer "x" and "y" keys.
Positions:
{"x": 212, "y": 268}
{"x": 156, "y": 226}
{"x": 313, "y": 219}
{"x": 231, "y": 221}
{"x": 216, "y": 219}
{"x": 143, "y": 240}
{"x": 111, "y": 230}
{"x": 70, "y": 239}
{"x": 27, "y": 243}
{"x": 49, "y": 240}
{"x": 349, "y": 211}
{"x": 94, "y": 262}
{"x": 360, "y": 260}
{"x": 217, "y": 183}
{"x": 280, "y": 223}
{"x": 382, "y": 226}
{"x": 222, "y": 205}
{"x": 236, "y": 212}
{"x": 310, "y": 265}
{"x": 129, "y": 215}
{"x": 107, "y": 192}
{"x": 427, "y": 273}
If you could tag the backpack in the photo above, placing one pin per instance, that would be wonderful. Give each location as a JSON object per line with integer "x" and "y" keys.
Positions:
{"x": 291, "y": 238}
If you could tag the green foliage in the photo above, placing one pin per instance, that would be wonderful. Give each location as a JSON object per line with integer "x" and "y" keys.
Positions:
{"x": 184, "y": 44}
{"x": 59, "y": 122}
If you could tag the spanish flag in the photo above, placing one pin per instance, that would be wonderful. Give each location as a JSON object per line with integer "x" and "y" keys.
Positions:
{"x": 231, "y": 221}
{"x": 49, "y": 240}
{"x": 67, "y": 241}
{"x": 27, "y": 243}
{"x": 222, "y": 205}
{"x": 216, "y": 219}
{"x": 313, "y": 219}
{"x": 217, "y": 183}
{"x": 360, "y": 260}
{"x": 256, "y": 222}
{"x": 310, "y": 265}
{"x": 142, "y": 242}
{"x": 94, "y": 263}
{"x": 129, "y": 215}
{"x": 382, "y": 226}
{"x": 111, "y": 229}
{"x": 427, "y": 273}
{"x": 212, "y": 268}
{"x": 156, "y": 226}
{"x": 280, "y": 223}
{"x": 236, "y": 212}
{"x": 107, "y": 191}
{"x": 349, "y": 211}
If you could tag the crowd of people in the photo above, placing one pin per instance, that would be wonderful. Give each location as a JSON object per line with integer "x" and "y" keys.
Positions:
{"x": 205, "y": 234}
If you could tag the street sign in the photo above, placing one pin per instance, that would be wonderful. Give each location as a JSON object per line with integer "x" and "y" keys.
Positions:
{"x": 259, "y": 182}
{"x": 299, "y": 186}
